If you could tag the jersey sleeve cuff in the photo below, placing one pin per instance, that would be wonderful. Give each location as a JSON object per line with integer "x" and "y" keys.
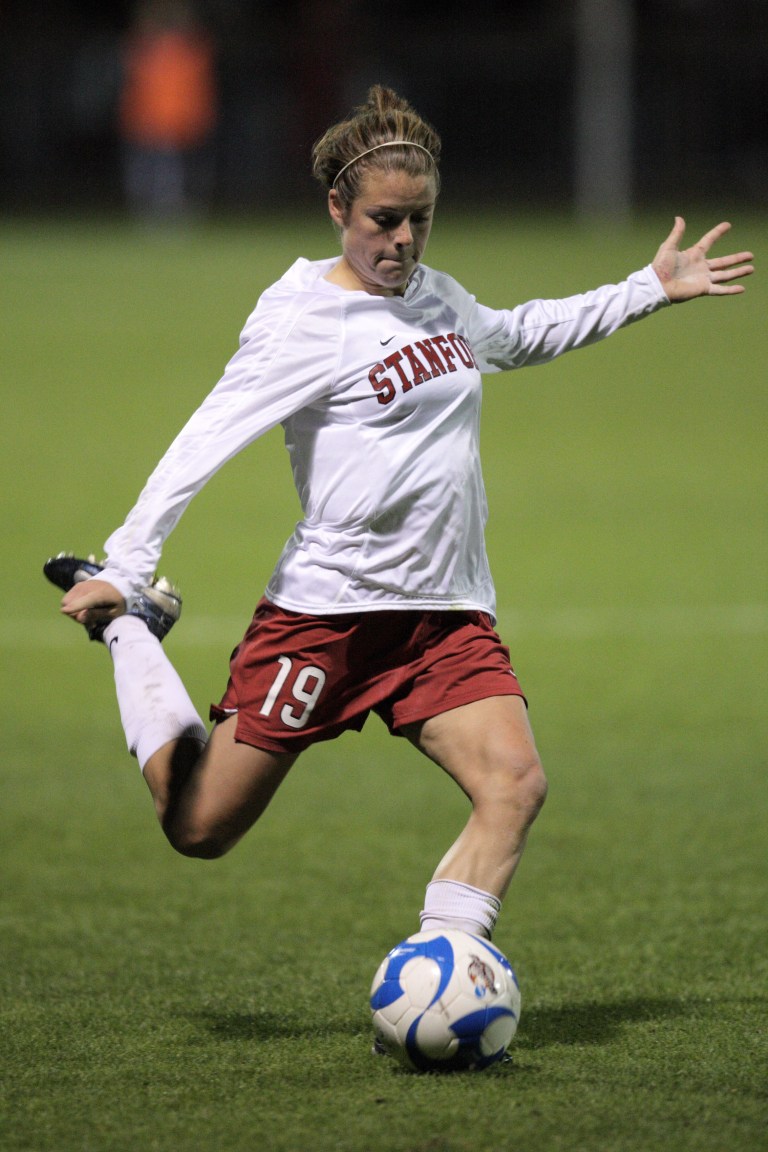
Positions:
{"x": 650, "y": 273}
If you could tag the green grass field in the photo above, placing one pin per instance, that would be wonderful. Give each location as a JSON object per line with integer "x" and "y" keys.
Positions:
{"x": 155, "y": 1003}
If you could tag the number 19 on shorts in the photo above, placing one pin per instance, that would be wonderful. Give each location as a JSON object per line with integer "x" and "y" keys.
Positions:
{"x": 307, "y": 684}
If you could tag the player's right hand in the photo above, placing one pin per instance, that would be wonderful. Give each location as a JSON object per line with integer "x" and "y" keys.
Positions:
{"x": 93, "y": 601}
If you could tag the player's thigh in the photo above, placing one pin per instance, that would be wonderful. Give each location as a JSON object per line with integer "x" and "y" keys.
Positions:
{"x": 228, "y": 789}
{"x": 486, "y": 746}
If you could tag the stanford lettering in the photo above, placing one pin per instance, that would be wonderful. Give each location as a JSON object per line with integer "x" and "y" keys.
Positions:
{"x": 436, "y": 356}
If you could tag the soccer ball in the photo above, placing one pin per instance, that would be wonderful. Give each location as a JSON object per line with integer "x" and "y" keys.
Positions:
{"x": 444, "y": 1001}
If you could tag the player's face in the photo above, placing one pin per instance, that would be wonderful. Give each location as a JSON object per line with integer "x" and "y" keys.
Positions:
{"x": 384, "y": 232}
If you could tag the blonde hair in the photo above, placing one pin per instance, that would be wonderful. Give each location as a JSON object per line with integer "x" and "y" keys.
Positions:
{"x": 385, "y": 133}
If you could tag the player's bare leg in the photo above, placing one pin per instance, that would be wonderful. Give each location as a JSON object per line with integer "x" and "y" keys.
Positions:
{"x": 207, "y": 801}
{"x": 207, "y": 791}
{"x": 167, "y": 771}
{"x": 487, "y": 747}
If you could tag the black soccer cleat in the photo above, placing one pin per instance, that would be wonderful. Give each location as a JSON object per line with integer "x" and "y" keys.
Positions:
{"x": 158, "y": 604}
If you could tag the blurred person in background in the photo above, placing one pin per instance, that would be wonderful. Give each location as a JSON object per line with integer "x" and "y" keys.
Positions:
{"x": 168, "y": 112}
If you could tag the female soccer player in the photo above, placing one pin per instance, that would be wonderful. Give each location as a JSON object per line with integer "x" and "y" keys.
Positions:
{"x": 382, "y": 599}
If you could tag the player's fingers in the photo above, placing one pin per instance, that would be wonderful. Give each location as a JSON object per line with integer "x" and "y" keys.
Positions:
{"x": 714, "y": 234}
{"x": 732, "y": 274}
{"x": 70, "y": 606}
{"x": 97, "y": 615}
{"x": 91, "y": 595}
{"x": 80, "y": 611}
{"x": 77, "y": 600}
{"x": 676, "y": 235}
{"x": 725, "y": 289}
{"x": 720, "y": 262}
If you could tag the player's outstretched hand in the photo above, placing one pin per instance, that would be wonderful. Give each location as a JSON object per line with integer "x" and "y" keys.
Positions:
{"x": 92, "y": 601}
{"x": 690, "y": 273}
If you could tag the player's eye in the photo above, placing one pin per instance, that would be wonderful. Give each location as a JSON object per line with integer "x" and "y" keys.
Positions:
{"x": 389, "y": 223}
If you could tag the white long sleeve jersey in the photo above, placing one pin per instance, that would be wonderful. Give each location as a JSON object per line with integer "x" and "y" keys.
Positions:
{"x": 379, "y": 398}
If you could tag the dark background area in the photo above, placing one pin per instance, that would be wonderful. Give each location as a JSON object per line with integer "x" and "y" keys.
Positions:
{"x": 497, "y": 79}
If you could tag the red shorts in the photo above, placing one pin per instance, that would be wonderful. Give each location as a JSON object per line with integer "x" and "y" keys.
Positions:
{"x": 297, "y": 679}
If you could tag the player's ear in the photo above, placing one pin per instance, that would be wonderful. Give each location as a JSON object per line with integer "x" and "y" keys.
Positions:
{"x": 335, "y": 209}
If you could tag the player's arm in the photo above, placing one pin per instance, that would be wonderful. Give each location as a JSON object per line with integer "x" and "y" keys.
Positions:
{"x": 690, "y": 273}
{"x": 276, "y": 371}
{"x": 540, "y": 330}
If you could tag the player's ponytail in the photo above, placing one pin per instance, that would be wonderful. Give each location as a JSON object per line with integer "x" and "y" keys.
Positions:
{"x": 385, "y": 133}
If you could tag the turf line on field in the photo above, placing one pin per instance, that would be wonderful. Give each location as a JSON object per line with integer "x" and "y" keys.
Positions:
{"x": 568, "y": 623}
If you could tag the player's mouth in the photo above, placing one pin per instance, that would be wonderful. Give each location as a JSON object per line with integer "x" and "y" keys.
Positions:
{"x": 400, "y": 261}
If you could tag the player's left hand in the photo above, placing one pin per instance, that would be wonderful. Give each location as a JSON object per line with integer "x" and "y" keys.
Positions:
{"x": 690, "y": 273}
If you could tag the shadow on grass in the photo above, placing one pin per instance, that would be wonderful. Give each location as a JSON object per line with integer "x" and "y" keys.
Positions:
{"x": 586, "y": 1022}
{"x": 598, "y": 1022}
{"x": 272, "y": 1025}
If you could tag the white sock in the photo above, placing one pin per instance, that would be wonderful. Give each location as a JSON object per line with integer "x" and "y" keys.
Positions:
{"x": 449, "y": 904}
{"x": 154, "y": 705}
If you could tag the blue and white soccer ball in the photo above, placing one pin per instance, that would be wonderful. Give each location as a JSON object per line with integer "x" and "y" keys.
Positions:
{"x": 444, "y": 1001}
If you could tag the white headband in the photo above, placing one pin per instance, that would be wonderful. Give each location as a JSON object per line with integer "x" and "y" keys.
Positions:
{"x": 386, "y": 144}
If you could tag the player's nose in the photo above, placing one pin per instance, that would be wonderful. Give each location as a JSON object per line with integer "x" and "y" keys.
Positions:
{"x": 403, "y": 234}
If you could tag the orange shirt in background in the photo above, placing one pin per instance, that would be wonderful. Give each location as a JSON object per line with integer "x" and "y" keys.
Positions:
{"x": 169, "y": 98}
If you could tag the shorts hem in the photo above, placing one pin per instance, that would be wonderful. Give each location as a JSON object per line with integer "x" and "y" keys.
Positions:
{"x": 282, "y": 746}
{"x": 273, "y": 747}
{"x": 458, "y": 701}
{"x": 264, "y": 744}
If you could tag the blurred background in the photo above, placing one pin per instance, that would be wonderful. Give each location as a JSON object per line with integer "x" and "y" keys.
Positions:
{"x": 175, "y": 107}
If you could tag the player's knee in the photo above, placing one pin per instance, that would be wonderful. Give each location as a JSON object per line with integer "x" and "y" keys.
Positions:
{"x": 516, "y": 785}
{"x": 537, "y": 787}
{"x": 197, "y": 843}
{"x": 528, "y": 786}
